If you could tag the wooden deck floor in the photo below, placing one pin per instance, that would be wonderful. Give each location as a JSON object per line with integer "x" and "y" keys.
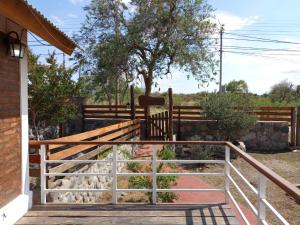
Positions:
{"x": 130, "y": 215}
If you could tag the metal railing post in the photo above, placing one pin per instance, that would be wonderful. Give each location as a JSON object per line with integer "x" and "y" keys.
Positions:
{"x": 115, "y": 177}
{"x": 43, "y": 171}
{"x": 154, "y": 184}
{"x": 227, "y": 174}
{"x": 261, "y": 196}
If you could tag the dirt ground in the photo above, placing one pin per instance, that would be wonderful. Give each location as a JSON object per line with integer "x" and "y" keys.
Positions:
{"x": 286, "y": 164}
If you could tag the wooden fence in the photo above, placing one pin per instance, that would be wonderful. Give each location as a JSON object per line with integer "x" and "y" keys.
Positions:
{"x": 113, "y": 111}
{"x": 117, "y": 132}
{"x": 263, "y": 113}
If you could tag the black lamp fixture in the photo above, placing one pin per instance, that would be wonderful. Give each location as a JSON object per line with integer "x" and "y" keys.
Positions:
{"x": 15, "y": 47}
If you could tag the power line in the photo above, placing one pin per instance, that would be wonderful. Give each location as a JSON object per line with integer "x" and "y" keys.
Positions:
{"x": 261, "y": 56}
{"x": 263, "y": 39}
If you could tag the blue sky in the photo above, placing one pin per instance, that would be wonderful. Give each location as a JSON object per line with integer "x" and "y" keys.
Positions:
{"x": 253, "y": 41}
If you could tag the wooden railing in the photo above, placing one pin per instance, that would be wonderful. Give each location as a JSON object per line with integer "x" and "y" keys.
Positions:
{"x": 117, "y": 132}
{"x": 112, "y": 112}
{"x": 260, "y": 191}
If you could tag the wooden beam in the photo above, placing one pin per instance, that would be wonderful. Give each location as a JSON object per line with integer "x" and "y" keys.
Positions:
{"x": 26, "y": 16}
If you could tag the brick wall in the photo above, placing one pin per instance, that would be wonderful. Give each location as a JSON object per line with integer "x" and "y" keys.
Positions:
{"x": 10, "y": 127}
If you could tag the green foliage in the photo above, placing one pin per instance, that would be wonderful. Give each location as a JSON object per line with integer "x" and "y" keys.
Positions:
{"x": 163, "y": 182}
{"x": 104, "y": 154}
{"x": 147, "y": 41}
{"x": 50, "y": 88}
{"x": 232, "y": 113}
{"x": 237, "y": 86}
{"x": 139, "y": 182}
{"x": 284, "y": 91}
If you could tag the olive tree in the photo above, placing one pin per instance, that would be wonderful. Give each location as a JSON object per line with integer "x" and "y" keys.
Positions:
{"x": 144, "y": 39}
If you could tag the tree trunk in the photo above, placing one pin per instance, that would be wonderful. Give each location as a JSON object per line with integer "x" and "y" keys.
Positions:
{"x": 148, "y": 85}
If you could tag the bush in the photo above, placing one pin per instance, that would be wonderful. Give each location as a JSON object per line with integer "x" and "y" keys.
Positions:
{"x": 232, "y": 112}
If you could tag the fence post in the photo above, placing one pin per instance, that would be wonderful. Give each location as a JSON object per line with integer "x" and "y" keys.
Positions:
{"x": 43, "y": 171}
{"x": 115, "y": 177}
{"x": 154, "y": 184}
{"x": 170, "y": 114}
{"x": 298, "y": 127}
{"x": 293, "y": 126}
{"x": 132, "y": 105}
{"x": 82, "y": 118}
{"x": 179, "y": 125}
{"x": 227, "y": 174}
{"x": 261, "y": 196}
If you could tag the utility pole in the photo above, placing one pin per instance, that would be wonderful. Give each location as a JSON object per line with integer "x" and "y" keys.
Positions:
{"x": 64, "y": 61}
{"x": 221, "y": 57}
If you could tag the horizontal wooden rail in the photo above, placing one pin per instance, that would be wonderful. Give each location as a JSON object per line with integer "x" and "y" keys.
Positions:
{"x": 120, "y": 131}
{"x": 285, "y": 185}
{"x": 263, "y": 113}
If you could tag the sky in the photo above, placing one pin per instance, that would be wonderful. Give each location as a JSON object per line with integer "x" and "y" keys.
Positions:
{"x": 261, "y": 41}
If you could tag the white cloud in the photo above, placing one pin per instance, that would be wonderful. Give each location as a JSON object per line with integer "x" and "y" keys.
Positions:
{"x": 234, "y": 22}
{"x": 75, "y": 2}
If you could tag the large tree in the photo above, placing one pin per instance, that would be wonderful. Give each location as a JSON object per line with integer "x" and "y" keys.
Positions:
{"x": 146, "y": 38}
{"x": 50, "y": 88}
{"x": 284, "y": 91}
{"x": 237, "y": 86}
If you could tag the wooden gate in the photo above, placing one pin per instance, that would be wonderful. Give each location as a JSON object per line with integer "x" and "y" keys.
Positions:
{"x": 158, "y": 126}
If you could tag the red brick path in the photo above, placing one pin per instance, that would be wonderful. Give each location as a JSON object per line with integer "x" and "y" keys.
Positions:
{"x": 197, "y": 197}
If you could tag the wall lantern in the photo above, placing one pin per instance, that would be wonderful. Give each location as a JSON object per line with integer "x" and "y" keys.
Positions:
{"x": 15, "y": 46}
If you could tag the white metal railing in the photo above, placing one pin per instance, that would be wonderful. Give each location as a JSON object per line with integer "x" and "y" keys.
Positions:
{"x": 114, "y": 165}
{"x": 260, "y": 192}
{"x": 263, "y": 204}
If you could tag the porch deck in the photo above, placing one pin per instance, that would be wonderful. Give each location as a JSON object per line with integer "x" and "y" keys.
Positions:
{"x": 216, "y": 214}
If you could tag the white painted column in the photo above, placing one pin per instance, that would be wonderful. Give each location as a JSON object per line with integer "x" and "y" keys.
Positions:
{"x": 24, "y": 123}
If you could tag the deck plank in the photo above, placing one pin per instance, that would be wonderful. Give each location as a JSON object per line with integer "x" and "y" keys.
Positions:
{"x": 128, "y": 220}
{"x": 129, "y": 215}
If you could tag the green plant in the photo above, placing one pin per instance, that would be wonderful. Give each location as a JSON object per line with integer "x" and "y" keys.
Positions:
{"x": 50, "y": 92}
{"x": 163, "y": 182}
{"x": 232, "y": 113}
{"x": 134, "y": 166}
{"x": 104, "y": 154}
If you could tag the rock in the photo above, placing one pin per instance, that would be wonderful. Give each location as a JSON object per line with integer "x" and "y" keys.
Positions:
{"x": 241, "y": 145}
{"x": 87, "y": 182}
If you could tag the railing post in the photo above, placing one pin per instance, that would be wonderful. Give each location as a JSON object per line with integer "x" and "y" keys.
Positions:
{"x": 114, "y": 173}
{"x": 227, "y": 174}
{"x": 43, "y": 171}
{"x": 154, "y": 184}
{"x": 261, "y": 196}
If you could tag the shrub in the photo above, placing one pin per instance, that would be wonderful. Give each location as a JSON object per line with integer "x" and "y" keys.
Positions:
{"x": 232, "y": 113}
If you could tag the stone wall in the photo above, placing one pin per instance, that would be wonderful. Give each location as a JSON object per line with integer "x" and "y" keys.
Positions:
{"x": 265, "y": 136}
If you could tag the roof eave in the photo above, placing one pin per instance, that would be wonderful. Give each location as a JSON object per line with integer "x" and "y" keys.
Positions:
{"x": 29, "y": 18}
